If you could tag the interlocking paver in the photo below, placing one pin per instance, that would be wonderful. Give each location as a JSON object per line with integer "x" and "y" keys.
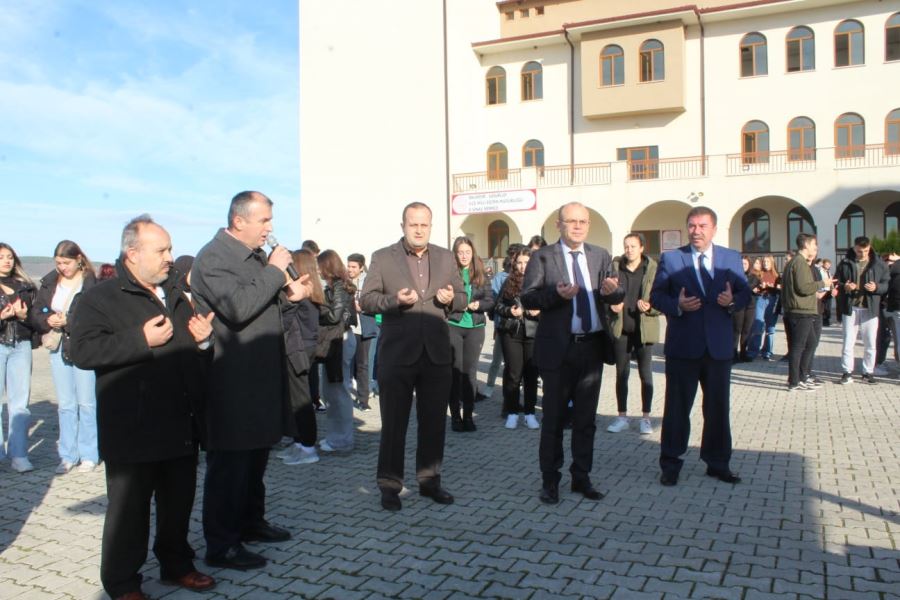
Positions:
{"x": 816, "y": 514}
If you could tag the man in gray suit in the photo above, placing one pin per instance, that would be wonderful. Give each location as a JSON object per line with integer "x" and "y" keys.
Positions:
{"x": 569, "y": 283}
{"x": 414, "y": 285}
{"x": 233, "y": 278}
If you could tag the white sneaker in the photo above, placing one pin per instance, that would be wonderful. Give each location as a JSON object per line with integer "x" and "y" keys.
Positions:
{"x": 87, "y": 466}
{"x": 646, "y": 427}
{"x": 64, "y": 467}
{"x": 618, "y": 424}
{"x": 302, "y": 456}
{"x": 283, "y": 454}
{"x": 532, "y": 422}
{"x": 512, "y": 421}
{"x": 881, "y": 371}
{"x": 21, "y": 464}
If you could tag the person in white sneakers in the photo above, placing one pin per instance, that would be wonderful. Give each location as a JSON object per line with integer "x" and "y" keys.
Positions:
{"x": 515, "y": 332}
{"x": 635, "y": 328}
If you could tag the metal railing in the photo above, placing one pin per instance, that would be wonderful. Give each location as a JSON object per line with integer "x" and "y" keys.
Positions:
{"x": 873, "y": 155}
{"x": 508, "y": 179}
{"x": 782, "y": 161}
{"x": 565, "y": 175}
{"x": 668, "y": 168}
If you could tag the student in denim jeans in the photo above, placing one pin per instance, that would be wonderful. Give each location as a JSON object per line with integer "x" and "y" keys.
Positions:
{"x": 16, "y": 297}
{"x": 56, "y": 301}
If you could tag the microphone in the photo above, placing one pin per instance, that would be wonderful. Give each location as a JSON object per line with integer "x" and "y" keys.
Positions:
{"x": 272, "y": 242}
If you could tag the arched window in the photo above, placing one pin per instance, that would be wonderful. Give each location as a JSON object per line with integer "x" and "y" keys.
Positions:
{"x": 533, "y": 154}
{"x": 849, "y": 44}
{"x": 532, "y": 81}
{"x": 755, "y": 227}
{"x": 755, "y": 143}
{"x": 892, "y": 38}
{"x": 612, "y": 66}
{"x": 798, "y": 221}
{"x": 851, "y": 225}
{"x": 498, "y": 239}
{"x": 892, "y": 218}
{"x": 892, "y": 132}
{"x": 653, "y": 61}
{"x": 495, "y": 86}
{"x": 849, "y": 136}
{"x": 801, "y": 139}
{"x": 754, "y": 56}
{"x": 497, "y": 161}
{"x": 800, "y": 45}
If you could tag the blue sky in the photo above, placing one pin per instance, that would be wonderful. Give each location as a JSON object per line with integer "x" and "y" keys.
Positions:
{"x": 112, "y": 108}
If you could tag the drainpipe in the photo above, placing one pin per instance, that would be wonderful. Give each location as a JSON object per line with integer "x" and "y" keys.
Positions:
{"x": 446, "y": 128}
{"x": 702, "y": 93}
{"x": 571, "y": 108}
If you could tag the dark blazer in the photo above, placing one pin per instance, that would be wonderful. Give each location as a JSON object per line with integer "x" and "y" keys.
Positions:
{"x": 408, "y": 331}
{"x": 546, "y": 268}
{"x": 709, "y": 329}
{"x": 245, "y": 389}
{"x": 147, "y": 398}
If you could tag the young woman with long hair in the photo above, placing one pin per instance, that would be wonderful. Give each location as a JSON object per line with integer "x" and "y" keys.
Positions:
{"x": 16, "y": 337}
{"x": 52, "y": 311}
{"x": 762, "y": 337}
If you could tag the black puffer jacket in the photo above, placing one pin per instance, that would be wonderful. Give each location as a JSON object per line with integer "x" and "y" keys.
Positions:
{"x": 41, "y": 310}
{"x": 510, "y": 325}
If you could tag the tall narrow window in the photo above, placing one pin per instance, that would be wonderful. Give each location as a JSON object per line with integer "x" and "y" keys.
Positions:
{"x": 851, "y": 225}
{"x": 801, "y": 50}
{"x": 532, "y": 81}
{"x": 801, "y": 139}
{"x": 892, "y": 38}
{"x": 892, "y": 218}
{"x": 495, "y": 86}
{"x": 755, "y": 226}
{"x": 612, "y": 66}
{"x": 533, "y": 154}
{"x": 653, "y": 61}
{"x": 497, "y": 161}
{"x": 849, "y": 136}
{"x": 798, "y": 221}
{"x": 892, "y": 132}
{"x": 498, "y": 238}
{"x": 755, "y": 143}
{"x": 849, "y": 44}
{"x": 754, "y": 56}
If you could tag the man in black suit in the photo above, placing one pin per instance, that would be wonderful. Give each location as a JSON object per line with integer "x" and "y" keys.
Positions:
{"x": 568, "y": 283}
{"x": 414, "y": 285}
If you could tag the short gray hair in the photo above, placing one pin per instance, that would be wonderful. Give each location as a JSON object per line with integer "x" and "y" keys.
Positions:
{"x": 132, "y": 229}
{"x": 240, "y": 205}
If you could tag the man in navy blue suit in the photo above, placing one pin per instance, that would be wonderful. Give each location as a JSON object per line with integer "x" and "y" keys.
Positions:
{"x": 698, "y": 286}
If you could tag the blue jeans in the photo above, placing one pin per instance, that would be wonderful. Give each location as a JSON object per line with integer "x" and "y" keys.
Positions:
{"x": 15, "y": 378}
{"x": 763, "y": 323}
{"x": 373, "y": 351}
{"x": 77, "y": 410}
{"x": 340, "y": 402}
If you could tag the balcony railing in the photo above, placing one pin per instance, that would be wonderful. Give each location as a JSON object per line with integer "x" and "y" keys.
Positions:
{"x": 667, "y": 168}
{"x": 565, "y": 175}
{"x": 873, "y": 155}
{"x": 506, "y": 179}
{"x": 783, "y": 161}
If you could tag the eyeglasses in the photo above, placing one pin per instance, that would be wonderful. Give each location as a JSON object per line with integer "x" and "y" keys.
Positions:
{"x": 580, "y": 222}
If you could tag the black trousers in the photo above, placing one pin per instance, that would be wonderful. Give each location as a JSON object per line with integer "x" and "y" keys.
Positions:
{"x": 361, "y": 368}
{"x": 130, "y": 487}
{"x": 301, "y": 423}
{"x": 826, "y": 310}
{"x": 396, "y": 384}
{"x": 682, "y": 378}
{"x": 578, "y": 379}
{"x": 519, "y": 370}
{"x": 234, "y": 496}
{"x": 465, "y": 344}
{"x": 623, "y": 346}
{"x": 804, "y": 340}
{"x": 742, "y": 324}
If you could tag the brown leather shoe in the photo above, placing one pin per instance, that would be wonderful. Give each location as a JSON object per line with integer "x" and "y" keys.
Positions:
{"x": 194, "y": 581}
{"x": 138, "y": 595}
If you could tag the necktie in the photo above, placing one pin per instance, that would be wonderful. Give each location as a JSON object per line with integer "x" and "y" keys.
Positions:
{"x": 582, "y": 304}
{"x": 706, "y": 278}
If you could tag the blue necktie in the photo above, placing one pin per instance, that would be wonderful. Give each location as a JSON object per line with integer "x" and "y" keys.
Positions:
{"x": 705, "y": 276}
{"x": 582, "y": 303}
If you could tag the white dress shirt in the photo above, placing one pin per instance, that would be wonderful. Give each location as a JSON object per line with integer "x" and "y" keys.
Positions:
{"x": 586, "y": 276}
{"x": 695, "y": 256}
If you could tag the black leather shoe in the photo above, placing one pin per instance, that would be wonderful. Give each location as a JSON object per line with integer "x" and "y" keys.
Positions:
{"x": 237, "y": 557}
{"x": 469, "y": 424}
{"x": 726, "y": 476}
{"x": 669, "y": 479}
{"x": 586, "y": 489}
{"x": 456, "y": 424}
{"x": 266, "y": 533}
{"x": 438, "y": 494}
{"x": 391, "y": 501}
{"x": 550, "y": 494}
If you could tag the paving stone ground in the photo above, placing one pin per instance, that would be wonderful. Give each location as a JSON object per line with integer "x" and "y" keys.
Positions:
{"x": 815, "y": 517}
